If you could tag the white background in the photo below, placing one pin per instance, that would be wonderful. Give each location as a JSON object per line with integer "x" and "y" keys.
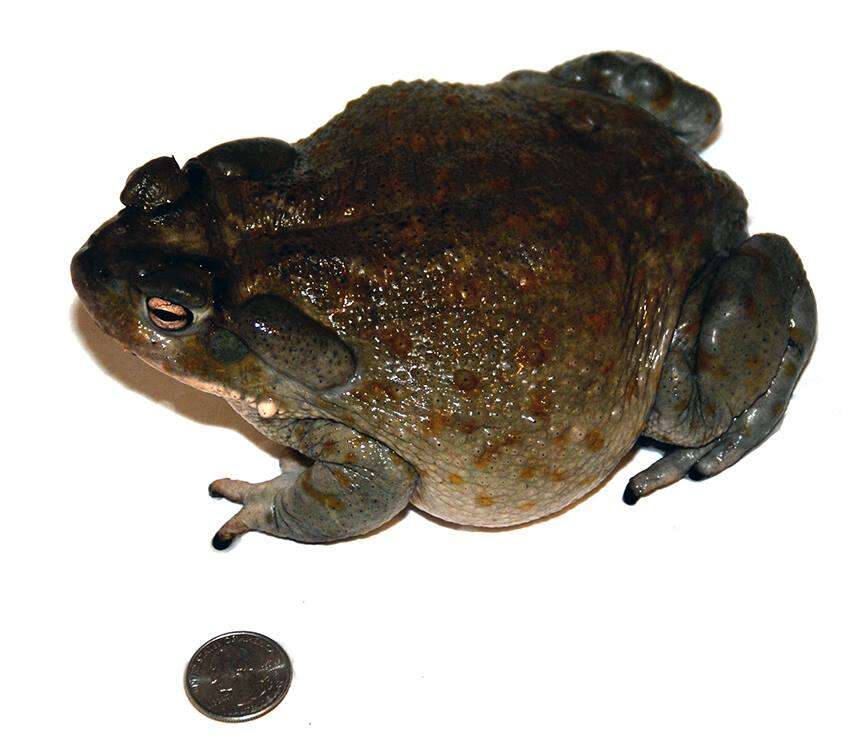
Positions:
{"x": 729, "y": 608}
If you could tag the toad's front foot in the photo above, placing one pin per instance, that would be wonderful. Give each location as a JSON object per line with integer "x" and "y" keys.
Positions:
{"x": 258, "y": 512}
{"x": 354, "y": 485}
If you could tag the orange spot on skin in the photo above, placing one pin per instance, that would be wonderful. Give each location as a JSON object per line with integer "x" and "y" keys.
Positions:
{"x": 417, "y": 142}
{"x": 707, "y": 363}
{"x": 440, "y": 194}
{"x": 517, "y": 224}
{"x": 466, "y": 426}
{"x": 466, "y": 381}
{"x": 483, "y": 500}
{"x": 339, "y": 475}
{"x": 557, "y": 475}
{"x": 597, "y": 321}
{"x": 492, "y": 449}
{"x": 539, "y": 403}
{"x": 437, "y": 422}
{"x": 349, "y": 459}
{"x": 456, "y": 479}
{"x": 527, "y": 505}
{"x": 376, "y": 390}
{"x": 527, "y": 473}
{"x": 398, "y": 342}
{"x": 594, "y": 440}
{"x": 325, "y": 499}
{"x": 559, "y": 439}
{"x": 587, "y": 480}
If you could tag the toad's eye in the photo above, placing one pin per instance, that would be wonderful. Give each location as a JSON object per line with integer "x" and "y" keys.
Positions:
{"x": 168, "y": 315}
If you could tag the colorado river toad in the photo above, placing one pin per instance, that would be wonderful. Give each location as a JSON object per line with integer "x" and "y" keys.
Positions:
{"x": 473, "y": 299}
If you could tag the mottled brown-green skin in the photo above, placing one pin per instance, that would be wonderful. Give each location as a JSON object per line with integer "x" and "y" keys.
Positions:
{"x": 479, "y": 295}
{"x": 507, "y": 262}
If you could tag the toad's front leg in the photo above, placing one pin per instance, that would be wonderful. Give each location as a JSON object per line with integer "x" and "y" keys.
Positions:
{"x": 354, "y": 485}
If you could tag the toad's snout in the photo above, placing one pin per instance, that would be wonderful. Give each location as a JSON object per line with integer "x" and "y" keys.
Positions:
{"x": 92, "y": 275}
{"x": 83, "y": 270}
{"x": 96, "y": 284}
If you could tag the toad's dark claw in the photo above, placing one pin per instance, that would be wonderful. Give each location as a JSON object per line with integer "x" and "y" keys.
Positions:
{"x": 631, "y": 496}
{"x": 221, "y": 543}
{"x": 211, "y": 489}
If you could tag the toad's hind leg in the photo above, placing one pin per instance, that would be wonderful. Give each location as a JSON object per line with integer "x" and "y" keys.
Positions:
{"x": 745, "y": 334}
{"x": 691, "y": 112}
{"x": 354, "y": 485}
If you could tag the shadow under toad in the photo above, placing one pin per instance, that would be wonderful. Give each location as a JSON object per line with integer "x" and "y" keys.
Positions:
{"x": 141, "y": 378}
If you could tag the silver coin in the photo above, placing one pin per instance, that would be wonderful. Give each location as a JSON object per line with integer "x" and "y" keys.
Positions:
{"x": 238, "y": 676}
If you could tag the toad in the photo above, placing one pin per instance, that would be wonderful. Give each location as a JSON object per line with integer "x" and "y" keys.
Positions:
{"x": 470, "y": 298}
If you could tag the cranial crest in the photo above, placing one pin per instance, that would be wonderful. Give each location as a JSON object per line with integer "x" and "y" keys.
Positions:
{"x": 254, "y": 158}
{"x": 157, "y": 183}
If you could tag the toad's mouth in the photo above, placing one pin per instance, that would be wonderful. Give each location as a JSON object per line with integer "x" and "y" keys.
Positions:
{"x": 269, "y": 399}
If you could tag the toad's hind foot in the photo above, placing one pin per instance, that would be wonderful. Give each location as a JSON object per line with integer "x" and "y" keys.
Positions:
{"x": 691, "y": 112}
{"x": 744, "y": 337}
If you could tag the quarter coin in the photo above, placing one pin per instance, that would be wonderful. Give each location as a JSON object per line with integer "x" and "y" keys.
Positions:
{"x": 238, "y": 676}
